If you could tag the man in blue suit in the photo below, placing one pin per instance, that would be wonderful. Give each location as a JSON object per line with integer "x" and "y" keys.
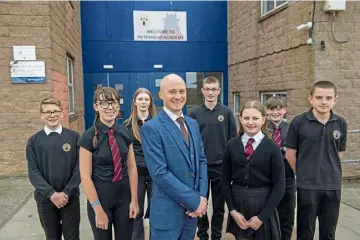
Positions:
{"x": 174, "y": 155}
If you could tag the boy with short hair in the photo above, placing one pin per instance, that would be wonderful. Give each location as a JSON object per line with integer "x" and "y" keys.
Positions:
{"x": 217, "y": 126}
{"x": 315, "y": 144}
{"x": 53, "y": 169}
{"x": 276, "y": 109}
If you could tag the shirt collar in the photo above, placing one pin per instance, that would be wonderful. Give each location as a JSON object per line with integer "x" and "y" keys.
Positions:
{"x": 104, "y": 129}
{"x": 311, "y": 117}
{"x": 57, "y": 130}
{"x": 273, "y": 125}
{"x": 258, "y": 137}
{"x": 172, "y": 115}
{"x": 214, "y": 109}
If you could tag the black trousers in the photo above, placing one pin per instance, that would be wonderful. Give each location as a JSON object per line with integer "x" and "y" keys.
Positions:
{"x": 144, "y": 187}
{"x": 286, "y": 210}
{"x": 325, "y": 205}
{"x": 217, "y": 219}
{"x": 115, "y": 200}
{"x": 60, "y": 222}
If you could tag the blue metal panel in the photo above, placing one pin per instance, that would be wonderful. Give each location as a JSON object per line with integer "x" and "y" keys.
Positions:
{"x": 90, "y": 83}
{"x": 108, "y": 38}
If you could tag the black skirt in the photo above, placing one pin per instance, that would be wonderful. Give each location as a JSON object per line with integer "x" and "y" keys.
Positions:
{"x": 249, "y": 202}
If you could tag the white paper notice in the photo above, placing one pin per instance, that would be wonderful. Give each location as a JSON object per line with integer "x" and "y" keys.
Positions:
{"x": 22, "y": 53}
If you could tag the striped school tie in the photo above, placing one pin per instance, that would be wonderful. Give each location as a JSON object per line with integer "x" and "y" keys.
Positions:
{"x": 115, "y": 152}
{"x": 249, "y": 150}
{"x": 276, "y": 136}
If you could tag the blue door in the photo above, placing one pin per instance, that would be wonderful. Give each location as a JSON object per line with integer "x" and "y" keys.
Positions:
{"x": 126, "y": 84}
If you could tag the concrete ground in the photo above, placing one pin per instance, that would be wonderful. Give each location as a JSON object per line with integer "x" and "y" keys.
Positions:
{"x": 25, "y": 223}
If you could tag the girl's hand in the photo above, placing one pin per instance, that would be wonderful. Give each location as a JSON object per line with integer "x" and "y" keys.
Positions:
{"x": 255, "y": 223}
{"x": 134, "y": 210}
{"x": 101, "y": 220}
{"x": 240, "y": 220}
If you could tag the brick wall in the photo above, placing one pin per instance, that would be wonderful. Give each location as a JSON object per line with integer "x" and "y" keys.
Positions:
{"x": 340, "y": 63}
{"x": 271, "y": 55}
{"x": 32, "y": 23}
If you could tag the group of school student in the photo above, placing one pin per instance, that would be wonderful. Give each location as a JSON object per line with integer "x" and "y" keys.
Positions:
{"x": 252, "y": 169}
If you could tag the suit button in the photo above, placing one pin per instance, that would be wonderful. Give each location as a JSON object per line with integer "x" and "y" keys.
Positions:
{"x": 192, "y": 174}
{"x": 246, "y": 177}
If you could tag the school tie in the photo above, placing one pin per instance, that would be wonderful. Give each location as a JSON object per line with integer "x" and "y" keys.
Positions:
{"x": 276, "y": 136}
{"x": 115, "y": 152}
{"x": 249, "y": 150}
{"x": 181, "y": 121}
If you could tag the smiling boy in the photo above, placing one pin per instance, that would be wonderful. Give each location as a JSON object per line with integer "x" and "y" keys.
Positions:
{"x": 53, "y": 170}
{"x": 315, "y": 144}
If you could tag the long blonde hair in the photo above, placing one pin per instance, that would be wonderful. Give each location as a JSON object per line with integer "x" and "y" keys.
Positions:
{"x": 134, "y": 113}
{"x": 258, "y": 106}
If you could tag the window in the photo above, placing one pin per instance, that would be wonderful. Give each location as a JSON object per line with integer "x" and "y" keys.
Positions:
{"x": 70, "y": 84}
{"x": 236, "y": 103}
{"x": 269, "y": 5}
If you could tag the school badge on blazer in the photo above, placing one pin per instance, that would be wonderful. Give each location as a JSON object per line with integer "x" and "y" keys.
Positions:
{"x": 336, "y": 134}
{"x": 66, "y": 147}
{"x": 221, "y": 118}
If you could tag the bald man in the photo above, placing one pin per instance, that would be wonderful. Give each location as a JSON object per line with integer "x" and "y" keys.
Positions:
{"x": 175, "y": 157}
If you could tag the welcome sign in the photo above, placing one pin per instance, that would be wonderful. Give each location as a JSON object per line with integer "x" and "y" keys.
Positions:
{"x": 159, "y": 26}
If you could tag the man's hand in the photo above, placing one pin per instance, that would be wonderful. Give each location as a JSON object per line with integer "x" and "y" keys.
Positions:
{"x": 201, "y": 210}
{"x": 59, "y": 199}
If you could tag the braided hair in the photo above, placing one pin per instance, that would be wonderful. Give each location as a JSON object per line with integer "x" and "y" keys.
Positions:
{"x": 107, "y": 94}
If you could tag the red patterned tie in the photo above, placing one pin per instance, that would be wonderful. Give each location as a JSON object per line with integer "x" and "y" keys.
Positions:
{"x": 276, "y": 136}
{"x": 115, "y": 152}
{"x": 249, "y": 150}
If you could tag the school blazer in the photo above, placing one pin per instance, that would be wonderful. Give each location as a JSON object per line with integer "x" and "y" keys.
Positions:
{"x": 178, "y": 182}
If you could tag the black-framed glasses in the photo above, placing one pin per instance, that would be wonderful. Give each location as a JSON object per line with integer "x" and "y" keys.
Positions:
{"x": 49, "y": 113}
{"x": 211, "y": 89}
{"x": 106, "y": 105}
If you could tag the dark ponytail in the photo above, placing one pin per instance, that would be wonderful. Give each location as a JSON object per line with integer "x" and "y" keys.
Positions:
{"x": 95, "y": 140}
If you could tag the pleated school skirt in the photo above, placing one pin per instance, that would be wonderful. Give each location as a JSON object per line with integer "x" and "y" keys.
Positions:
{"x": 249, "y": 202}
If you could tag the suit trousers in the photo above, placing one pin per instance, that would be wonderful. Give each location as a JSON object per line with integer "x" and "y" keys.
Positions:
{"x": 57, "y": 222}
{"x": 184, "y": 232}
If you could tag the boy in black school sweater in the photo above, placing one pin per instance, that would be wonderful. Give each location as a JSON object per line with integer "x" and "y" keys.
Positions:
{"x": 217, "y": 126}
{"x": 315, "y": 144}
{"x": 52, "y": 155}
{"x": 276, "y": 109}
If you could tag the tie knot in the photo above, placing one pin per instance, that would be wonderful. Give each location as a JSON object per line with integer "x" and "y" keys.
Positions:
{"x": 110, "y": 132}
{"x": 277, "y": 128}
{"x": 180, "y": 120}
{"x": 251, "y": 141}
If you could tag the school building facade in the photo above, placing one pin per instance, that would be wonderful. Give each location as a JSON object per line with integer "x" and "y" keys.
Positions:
{"x": 126, "y": 45}
{"x": 53, "y": 29}
{"x": 267, "y": 55}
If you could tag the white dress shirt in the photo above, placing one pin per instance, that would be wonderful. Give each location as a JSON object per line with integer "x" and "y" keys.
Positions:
{"x": 258, "y": 137}
{"x": 57, "y": 130}
{"x": 173, "y": 117}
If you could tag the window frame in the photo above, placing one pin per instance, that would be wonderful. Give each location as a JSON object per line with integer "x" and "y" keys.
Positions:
{"x": 272, "y": 10}
{"x": 70, "y": 84}
{"x": 273, "y": 94}
{"x": 235, "y": 94}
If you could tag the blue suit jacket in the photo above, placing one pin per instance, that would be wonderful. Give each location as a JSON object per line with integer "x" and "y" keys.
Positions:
{"x": 177, "y": 184}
